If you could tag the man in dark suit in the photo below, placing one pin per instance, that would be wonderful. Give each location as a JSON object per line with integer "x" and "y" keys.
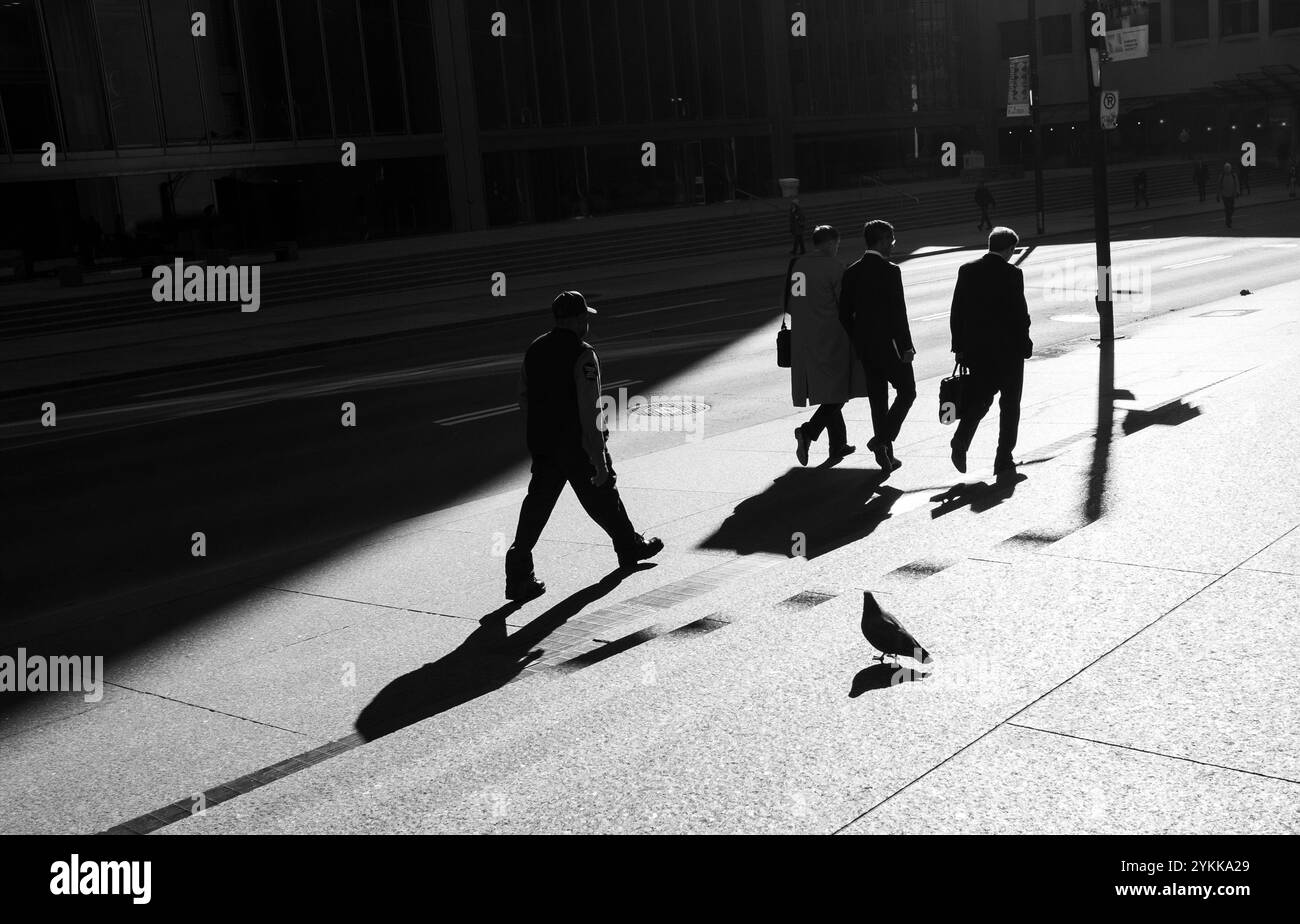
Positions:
{"x": 874, "y": 312}
{"x": 990, "y": 335}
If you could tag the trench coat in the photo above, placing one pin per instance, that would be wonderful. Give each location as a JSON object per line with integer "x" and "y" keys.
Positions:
{"x": 823, "y": 367}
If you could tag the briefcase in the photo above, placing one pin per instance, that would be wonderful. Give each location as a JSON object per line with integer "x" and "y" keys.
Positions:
{"x": 953, "y": 392}
{"x": 783, "y": 335}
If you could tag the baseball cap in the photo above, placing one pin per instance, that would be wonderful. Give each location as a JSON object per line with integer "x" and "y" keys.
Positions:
{"x": 571, "y": 305}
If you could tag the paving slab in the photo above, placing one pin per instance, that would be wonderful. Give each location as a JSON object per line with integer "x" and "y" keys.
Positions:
{"x": 1213, "y": 681}
{"x": 1024, "y": 781}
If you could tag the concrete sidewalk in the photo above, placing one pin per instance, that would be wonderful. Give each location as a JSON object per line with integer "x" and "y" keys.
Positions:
{"x": 39, "y": 362}
{"x": 1128, "y": 670}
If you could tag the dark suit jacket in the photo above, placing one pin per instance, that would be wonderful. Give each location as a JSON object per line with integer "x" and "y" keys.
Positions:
{"x": 990, "y": 319}
{"x": 873, "y": 311}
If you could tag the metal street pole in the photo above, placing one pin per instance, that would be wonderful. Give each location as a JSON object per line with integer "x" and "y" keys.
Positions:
{"x": 1033, "y": 109}
{"x": 1096, "y": 46}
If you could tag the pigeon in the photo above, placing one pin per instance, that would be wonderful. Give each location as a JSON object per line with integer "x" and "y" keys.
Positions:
{"x": 887, "y": 634}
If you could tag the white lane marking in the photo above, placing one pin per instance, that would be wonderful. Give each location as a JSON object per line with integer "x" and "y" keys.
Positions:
{"x": 1279, "y": 245}
{"x": 471, "y": 416}
{"x": 933, "y": 317}
{"x": 1222, "y": 256}
{"x": 242, "y": 378}
{"x": 630, "y": 314}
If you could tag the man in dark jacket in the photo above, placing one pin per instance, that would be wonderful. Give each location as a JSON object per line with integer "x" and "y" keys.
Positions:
{"x": 984, "y": 199}
{"x": 559, "y": 394}
{"x": 990, "y": 335}
{"x": 874, "y": 312}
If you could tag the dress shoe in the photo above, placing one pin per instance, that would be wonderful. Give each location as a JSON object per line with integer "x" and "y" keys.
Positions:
{"x": 884, "y": 454}
{"x": 639, "y": 551}
{"x": 801, "y": 445}
{"x": 839, "y": 452}
{"x": 523, "y": 589}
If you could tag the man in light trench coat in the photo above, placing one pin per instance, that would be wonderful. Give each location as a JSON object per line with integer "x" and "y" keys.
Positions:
{"x": 823, "y": 368}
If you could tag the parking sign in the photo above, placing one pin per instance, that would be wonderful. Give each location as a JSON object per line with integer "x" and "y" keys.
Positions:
{"x": 1109, "y": 109}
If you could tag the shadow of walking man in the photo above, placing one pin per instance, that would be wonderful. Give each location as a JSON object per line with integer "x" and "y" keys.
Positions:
{"x": 488, "y": 659}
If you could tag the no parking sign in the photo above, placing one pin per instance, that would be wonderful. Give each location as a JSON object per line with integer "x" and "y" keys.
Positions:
{"x": 1109, "y": 109}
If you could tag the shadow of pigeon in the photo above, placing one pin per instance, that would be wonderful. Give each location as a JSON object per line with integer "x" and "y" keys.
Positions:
{"x": 880, "y": 676}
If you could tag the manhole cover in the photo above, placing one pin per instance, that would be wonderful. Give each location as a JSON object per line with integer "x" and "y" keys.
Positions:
{"x": 671, "y": 409}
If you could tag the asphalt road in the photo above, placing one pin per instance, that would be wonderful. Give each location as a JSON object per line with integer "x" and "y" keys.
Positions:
{"x": 254, "y": 455}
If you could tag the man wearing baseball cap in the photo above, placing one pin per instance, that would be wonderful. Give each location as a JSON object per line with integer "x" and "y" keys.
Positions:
{"x": 559, "y": 393}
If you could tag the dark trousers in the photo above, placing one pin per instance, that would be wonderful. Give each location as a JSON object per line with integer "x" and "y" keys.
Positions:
{"x": 1229, "y": 205}
{"x": 828, "y": 417}
{"x": 1200, "y": 189}
{"x": 551, "y": 471}
{"x": 984, "y": 218}
{"x": 1004, "y": 376}
{"x": 886, "y": 419}
{"x": 797, "y": 247}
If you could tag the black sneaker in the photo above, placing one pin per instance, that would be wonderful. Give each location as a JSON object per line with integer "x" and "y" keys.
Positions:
{"x": 523, "y": 589}
{"x": 643, "y": 548}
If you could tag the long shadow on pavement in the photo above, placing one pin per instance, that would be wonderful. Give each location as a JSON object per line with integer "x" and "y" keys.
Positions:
{"x": 487, "y": 660}
{"x": 828, "y": 507}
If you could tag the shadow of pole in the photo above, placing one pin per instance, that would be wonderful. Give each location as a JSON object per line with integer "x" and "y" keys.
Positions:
{"x": 1104, "y": 433}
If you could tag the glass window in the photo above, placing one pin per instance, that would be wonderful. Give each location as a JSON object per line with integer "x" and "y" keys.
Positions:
{"x": 708, "y": 35}
{"x": 1015, "y": 38}
{"x": 1057, "y": 35}
{"x": 77, "y": 75}
{"x": 178, "y": 76}
{"x": 631, "y": 41}
{"x": 347, "y": 76}
{"x": 24, "y": 81}
{"x": 1155, "y": 22}
{"x": 577, "y": 62}
{"x": 420, "y": 63}
{"x": 487, "y": 54}
{"x": 517, "y": 54}
{"x": 755, "y": 65}
{"x": 220, "y": 74}
{"x": 1191, "y": 20}
{"x": 259, "y": 25}
{"x": 311, "y": 105}
{"x": 733, "y": 59}
{"x": 605, "y": 38}
{"x": 684, "y": 71}
{"x": 1284, "y": 14}
{"x": 659, "y": 45}
{"x": 549, "y": 58}
{"x": 386, "y": 101}
{"x": 1238, "y": 17}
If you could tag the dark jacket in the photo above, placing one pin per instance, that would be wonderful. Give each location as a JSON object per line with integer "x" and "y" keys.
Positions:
{"x": 552, "y": 369}
{"x": 873, "y": 310}
{"x": 796, "y": 220}
{"x": 990, "y": 319}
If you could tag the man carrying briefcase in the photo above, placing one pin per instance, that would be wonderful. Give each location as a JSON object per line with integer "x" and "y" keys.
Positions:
{"x": 990, "y": 335}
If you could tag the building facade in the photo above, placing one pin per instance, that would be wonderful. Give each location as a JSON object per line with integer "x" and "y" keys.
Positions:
{"x": 185, "y": 125}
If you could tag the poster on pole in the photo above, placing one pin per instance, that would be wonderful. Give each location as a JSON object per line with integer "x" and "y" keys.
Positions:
{"x": 1018, "y": 87}
{"x": 1128, "y": 25}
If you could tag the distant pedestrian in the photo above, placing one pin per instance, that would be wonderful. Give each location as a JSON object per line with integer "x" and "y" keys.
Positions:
{"x": 1229, "y": 189}
{"x": 1201, "y": 177}
{"x": 990, "y": 336}
{"x": 1140, "y": 189}
{"x": 1244, "y": 174}
{"x": 874, "y": 311}
{"x": 797, "y": 226}
{"x": 1291, "y": 178}
{"x": 823, "y": 369}
{"x": 984, "y": 199}
{"x": 559, "y": 394}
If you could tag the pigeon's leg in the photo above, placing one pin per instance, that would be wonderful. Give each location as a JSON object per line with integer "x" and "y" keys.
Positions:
{"x": 880, "y": 658}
